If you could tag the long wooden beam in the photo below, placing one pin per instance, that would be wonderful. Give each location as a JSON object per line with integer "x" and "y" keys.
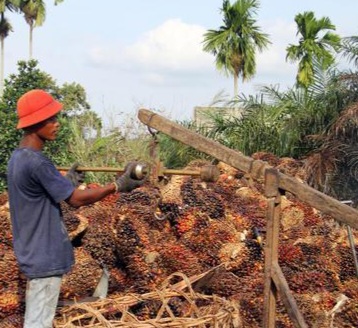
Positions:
{"x": 256, "y": 168}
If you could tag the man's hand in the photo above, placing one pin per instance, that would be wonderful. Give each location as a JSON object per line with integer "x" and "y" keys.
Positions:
{"x": 125, "y": 183}
{"x": 76, "y": 177}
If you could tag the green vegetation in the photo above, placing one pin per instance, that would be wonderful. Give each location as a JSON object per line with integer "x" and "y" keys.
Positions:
{"x": 175, "y": 154}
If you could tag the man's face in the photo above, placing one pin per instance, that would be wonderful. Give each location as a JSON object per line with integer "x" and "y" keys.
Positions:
{"x": 48, "y": 129}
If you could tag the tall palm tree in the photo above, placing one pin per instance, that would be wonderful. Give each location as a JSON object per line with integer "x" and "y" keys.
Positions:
{"x": 311, "y": 47}
{"x": 235, "y": 43}
{"x": 35, "y": 14}
{"x": 5, "y": 29}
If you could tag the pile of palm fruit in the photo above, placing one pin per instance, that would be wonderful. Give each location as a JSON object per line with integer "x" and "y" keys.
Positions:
{"x": 190, "y": 226}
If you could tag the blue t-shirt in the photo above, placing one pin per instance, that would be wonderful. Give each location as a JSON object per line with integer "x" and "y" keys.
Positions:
{"x": 40, "y": 239}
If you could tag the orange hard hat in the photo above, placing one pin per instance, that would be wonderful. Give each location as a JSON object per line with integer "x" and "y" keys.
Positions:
{"x": 36, "y": 106}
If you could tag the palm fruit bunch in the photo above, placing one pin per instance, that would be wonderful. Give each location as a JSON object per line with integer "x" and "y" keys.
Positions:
{"x": 207, "y": 237}
{"x": 348, "y": 316}
{"x": 99, "y": 241}
{"x": 314, "y": 307}
{"x": 139, "y": 273}
{"x": 142, "y": 204}
{"x": 184, "y": 223}
{"x": 83, "y": 278}
{"x": 142, "y": 201}
{"x": 96, "y": 212}
{"x": 350, "y": 288}
{"x": 15, "y": 320}
{"x": 75, "y": 223}
{"x": 5, "y": 229}
{"x": 130, "y": 237}
{"x": 347, "y": 269}
{"x": 251, "y": 310}
{"x": 12, "y": 284}
{"x": 178, "y": 258}
{"x": 69, "y": 217}
{"x": 134, "y": 228}
{"x": 118, "y": 281}
{"x": 170, "y": 212}
{"x": 226, "y": 284}
{"x": 250, "y": 298}
{"x": 253, "y": 261}
{"x": 4, "y": 198}
{"x": 200, "y": 196}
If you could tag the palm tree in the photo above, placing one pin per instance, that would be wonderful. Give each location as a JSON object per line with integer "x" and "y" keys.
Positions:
{"x": 35, "y": 15}
{"x": 312, "y": 48}
{"x": 235, "y": 43}
{"x": 5, "y": 29}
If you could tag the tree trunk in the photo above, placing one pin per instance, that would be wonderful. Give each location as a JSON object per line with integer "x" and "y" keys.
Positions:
{"x": 2, "y": 67}
{"x": 236, "y": 91}
{"x": 30, "y": 41}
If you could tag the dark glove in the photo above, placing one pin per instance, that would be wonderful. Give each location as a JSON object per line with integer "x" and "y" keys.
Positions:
{"x": 125, "y": 183}
{"x": 76, "y": 177}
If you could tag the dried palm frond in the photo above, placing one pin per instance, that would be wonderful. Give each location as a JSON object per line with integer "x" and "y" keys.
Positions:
{"x": 322, "y": 164}
{"x": 346, "y": 125}
{"x": 168, "y": 306}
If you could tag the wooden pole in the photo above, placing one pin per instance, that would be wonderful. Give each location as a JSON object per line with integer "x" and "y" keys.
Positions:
{"x": 275, "y": 281}
{"x": 92, "y": 169}
{"x": 117, "y": 169}
{"x": 271, "y": 248}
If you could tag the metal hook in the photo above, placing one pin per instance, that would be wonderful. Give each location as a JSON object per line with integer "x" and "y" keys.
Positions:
{"x": 153, "y": 134}
{"x": 161, "y": 218}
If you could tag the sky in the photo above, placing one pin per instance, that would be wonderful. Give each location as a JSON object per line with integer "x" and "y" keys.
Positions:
{"x": 148, "y": 53}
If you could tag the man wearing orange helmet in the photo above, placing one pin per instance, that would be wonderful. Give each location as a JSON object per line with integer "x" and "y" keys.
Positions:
{"x": 36, "y": 188}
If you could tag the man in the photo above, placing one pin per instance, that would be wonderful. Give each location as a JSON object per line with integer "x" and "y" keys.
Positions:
{"x": 36, "y": 188}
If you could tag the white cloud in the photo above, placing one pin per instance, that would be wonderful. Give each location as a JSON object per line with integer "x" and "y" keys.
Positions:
{"x": 171, "y": 47}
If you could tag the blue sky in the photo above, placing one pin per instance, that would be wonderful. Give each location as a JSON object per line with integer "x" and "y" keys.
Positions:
{"x": 148, "y": 53}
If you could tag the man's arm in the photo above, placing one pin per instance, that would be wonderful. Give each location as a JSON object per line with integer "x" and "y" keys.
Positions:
{"x": 124, "y": 183}
{"x": 89, "y": 196}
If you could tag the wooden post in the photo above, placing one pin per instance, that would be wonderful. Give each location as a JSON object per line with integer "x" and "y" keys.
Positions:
{"x": 272, "y": 192}
{"x": 156, "y": 164}
{"x": 275, "y": 282}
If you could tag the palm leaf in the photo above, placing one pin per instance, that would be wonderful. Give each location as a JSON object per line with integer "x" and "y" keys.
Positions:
{"x": 349, "y": 49}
